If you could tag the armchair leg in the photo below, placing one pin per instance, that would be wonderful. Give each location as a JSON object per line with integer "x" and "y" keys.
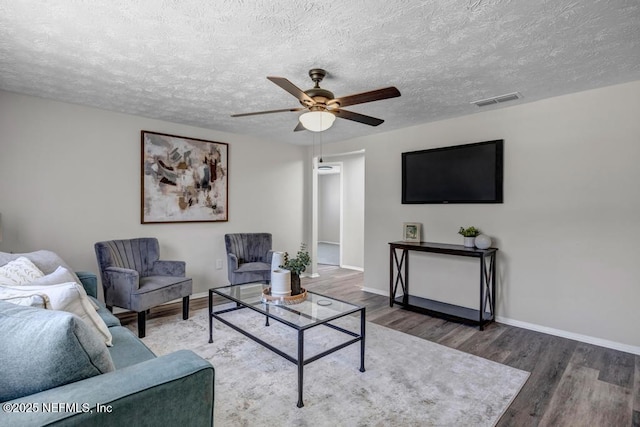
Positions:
{"x": 110, "y": 308}
{"x": 142, "y": 318}
{"x": 185, "y": 308}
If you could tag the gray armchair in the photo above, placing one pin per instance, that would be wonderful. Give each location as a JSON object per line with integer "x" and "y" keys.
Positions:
{"x": 133, "y": 277}
{"x": 248, "y": 257}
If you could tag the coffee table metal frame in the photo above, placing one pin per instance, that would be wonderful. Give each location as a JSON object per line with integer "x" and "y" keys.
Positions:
{"x": 263, "y": 308}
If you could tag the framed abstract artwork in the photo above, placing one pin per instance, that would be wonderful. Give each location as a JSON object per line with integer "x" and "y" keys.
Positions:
{"x": 183, "y": 179}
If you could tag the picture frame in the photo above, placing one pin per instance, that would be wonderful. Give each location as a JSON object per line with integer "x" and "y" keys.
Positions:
{"x": 183, "y": 179}
{"x": 411, "y": 232}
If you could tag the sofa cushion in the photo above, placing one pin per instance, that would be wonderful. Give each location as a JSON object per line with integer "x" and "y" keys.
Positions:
{"x": 108, "y": 317}
{"x": 127, "y": 349}
{"x": 43, "y": 349}
{"x": 69, "y": 297}
{"x": 19, "y": 271}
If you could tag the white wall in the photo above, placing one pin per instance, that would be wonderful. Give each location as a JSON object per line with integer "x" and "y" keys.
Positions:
{"x": 353, "y": 210}
{"x": 71, "y": 177}
{"x": 567, "y": 231}
{"x": 568, "y": 228}
{"x": 329, "y": 208}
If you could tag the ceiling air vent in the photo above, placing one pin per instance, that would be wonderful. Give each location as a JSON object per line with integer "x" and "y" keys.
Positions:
{"x": 497, "y": 99}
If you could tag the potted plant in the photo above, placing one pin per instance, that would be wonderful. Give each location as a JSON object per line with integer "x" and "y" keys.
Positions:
{"x": 469, "y": 234}
{"x": 296, "y": 266}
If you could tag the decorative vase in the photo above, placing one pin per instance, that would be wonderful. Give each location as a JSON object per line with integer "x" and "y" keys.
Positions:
{"x": 469, "y": 242}
{"x": 277, "y": 260}
{"x": 295, "y": 284}
{"x": 483, "y": 241}
{"x": 280, "y": 283}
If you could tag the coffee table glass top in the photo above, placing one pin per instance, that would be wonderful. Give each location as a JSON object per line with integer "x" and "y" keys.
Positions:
{"x": 315, "y": 309}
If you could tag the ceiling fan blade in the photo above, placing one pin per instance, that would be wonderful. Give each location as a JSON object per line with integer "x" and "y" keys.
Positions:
{"x": 268, "y": 112}
{"x": 361, "y": 98}
{"x": 356, "y": 117}
{"x": 299, "y": 127}
{"x": 293, "y": 90}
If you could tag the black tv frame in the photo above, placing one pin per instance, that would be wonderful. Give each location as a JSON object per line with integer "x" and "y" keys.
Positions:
{"x": 499, "y": 173}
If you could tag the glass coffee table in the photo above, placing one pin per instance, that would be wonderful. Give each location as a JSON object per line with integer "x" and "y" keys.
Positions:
{"x": 315, "y": 310}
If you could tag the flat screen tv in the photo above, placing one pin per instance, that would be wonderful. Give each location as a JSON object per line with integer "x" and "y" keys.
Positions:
{"x": 470, "y": 173}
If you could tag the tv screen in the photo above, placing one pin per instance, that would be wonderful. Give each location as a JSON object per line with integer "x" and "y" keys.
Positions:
{"x": 470, "y": 173}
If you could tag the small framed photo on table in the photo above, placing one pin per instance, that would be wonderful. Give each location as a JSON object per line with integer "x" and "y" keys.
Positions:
{"x": 411, "y": 231}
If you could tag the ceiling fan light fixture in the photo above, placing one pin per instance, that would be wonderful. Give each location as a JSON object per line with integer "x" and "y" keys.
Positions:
{"x": 317, "y": 121}
{"x": 322, "y": 107}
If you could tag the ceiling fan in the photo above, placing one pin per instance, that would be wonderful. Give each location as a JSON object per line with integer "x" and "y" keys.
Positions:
{"x": 322, "y": 107}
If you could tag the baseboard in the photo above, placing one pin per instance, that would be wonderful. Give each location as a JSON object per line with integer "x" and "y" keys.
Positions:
{"x": 351, "y": 267}
{"x": 204, "y": 294}
{"x": 571, "y": 335}
{"x": 550, "y": 331}
{"x": 376, "y": 291}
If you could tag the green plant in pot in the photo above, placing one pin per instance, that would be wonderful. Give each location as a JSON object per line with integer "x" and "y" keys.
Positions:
{"x": 469, "y": 235}
{"x": 296, "y": 266}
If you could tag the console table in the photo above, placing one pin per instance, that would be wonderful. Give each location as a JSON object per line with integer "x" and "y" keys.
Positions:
{"x": 399, "y": 277}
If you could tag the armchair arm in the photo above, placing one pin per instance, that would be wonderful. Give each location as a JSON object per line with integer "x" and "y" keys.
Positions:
{"x": 176, "y": 389}
{"x": 124, "y": 277}
{"x": 169, "y": 268}
{"x": 232, "y": 262}
{"x": 269, "y": 257}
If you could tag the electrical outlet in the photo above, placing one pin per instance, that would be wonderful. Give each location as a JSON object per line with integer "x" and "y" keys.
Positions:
{"x": 218, "y": 264}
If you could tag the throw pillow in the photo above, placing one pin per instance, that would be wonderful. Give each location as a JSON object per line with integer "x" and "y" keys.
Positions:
{"x": 19, "y": 272}
{"x": 43, "y": 349}
{"x": 47, "y": 261}
{"x": 61, "y": 275}
{"x": 69, "y": 297}
{"x": 35, "y": 300}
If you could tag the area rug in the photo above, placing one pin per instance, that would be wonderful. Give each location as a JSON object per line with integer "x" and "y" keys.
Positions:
{"x": 408, "y": 381}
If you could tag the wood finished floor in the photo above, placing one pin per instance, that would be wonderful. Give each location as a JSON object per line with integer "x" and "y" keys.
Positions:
{"x": 571, "y": 383}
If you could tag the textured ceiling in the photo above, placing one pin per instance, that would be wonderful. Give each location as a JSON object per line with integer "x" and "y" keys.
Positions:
{"x": 197, "y": 62}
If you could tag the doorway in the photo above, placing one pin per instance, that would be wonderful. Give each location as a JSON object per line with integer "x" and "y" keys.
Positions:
{"x": 329, "y": 213}
{"x": 338, "y": 211}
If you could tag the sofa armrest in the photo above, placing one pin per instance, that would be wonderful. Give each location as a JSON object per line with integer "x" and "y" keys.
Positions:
{"x": 169, "y": 268}
{"x": 89, "y": 282}
{"x": 176, "y": 389}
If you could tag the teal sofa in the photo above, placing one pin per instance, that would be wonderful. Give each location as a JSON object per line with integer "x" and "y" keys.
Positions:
{"x": 144, "y": 390}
